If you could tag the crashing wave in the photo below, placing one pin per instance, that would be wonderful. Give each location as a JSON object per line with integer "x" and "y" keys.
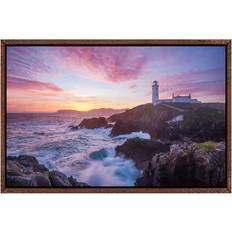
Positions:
{"x": 107, "y": 169}
{"x": 140, "y": 134}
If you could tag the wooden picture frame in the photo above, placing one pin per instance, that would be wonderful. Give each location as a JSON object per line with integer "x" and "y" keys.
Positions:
{"x": 7, "y": 189}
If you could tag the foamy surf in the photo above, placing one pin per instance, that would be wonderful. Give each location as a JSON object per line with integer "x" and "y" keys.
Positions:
{"x": 107, "y": 169}
{"x": 87, "y": 154}
{"x": 139, "y": 134}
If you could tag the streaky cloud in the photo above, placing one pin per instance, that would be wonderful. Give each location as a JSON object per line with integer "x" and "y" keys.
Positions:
{"x": 26, "y": 62}
{"x": 114, "y": 64}
{"x": 20, "y": 83}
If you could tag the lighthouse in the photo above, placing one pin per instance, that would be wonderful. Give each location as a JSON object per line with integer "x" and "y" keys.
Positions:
{"x": 178, "y": 98}
{"x": 155, "y": 93}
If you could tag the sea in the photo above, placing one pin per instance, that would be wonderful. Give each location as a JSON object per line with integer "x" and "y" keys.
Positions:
{"x": 86, "y": 154}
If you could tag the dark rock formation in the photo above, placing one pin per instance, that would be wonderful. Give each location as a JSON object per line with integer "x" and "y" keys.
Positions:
{"x": 121, "y": 127}
{"x": 40, "y": 180}
{"x": 110, "y": 125}
{"x": 146, "y": 118}
{"x": 25, "y": 170}
{"x": 27, "y": 163}
{"x": 58, "y": 179}
{"x": 201, "y": 122}
{"x": 75, "y": 183}
{"x": 141, "y": 150}
{"x": 186, "y": 165}
{"x": 18, "y": 181}
{"x": 92, "y": 123}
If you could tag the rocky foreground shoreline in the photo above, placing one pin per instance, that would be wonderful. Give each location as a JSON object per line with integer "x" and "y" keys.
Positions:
{"x": 185, "y": 164}
{"x": 187, "y": 148}
{"x": 26, "y": 171}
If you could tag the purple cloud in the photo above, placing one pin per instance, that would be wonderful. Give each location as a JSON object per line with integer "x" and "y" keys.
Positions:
{"x": 23, "y": 84}
{"x": 25, "y": 62}
{"x": 114, "y": 64}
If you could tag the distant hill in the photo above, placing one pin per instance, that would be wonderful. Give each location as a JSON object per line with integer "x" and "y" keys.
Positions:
{"x": 69, "y": 112}
{"x": 99, "y": 112}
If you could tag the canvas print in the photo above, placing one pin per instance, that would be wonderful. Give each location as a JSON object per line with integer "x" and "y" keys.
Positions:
{"x": 116, "y": 116}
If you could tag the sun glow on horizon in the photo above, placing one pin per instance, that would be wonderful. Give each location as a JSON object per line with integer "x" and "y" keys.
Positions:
{"x": 47, "y": 79}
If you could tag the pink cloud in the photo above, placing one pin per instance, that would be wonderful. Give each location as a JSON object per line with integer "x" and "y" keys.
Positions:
{"x": 114, "y": 64}
{"x": 26, "y": 62}
{"x": 200, "y": 83}
{"x": 23, "y": 84}
{"x": 194, "y": 76}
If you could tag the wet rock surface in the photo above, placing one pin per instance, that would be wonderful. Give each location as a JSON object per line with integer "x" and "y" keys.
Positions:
{"x": 26, "y": 171}
{"x": 141, "y": 150}
{"x": 121, "y": 128}
{"x": 186, "y": 165}
{"x": 93, "y": 123}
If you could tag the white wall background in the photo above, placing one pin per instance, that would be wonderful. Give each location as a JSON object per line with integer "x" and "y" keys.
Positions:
{"x": 119, "y": 19}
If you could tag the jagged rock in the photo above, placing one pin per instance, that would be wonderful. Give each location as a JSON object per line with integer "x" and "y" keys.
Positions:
{"x": 121, "y": 127}
{"x": 18, "y": 181}
{"x": 40, "y": 181}
{"x": 92, "y": 123}
{"x": 186, "y": 165}
{"x": 141, "y": 150}
{"x": 110, "y": 125}
{"x": 58, "y": 179}
{"x": 75, "y": 183}
{"x": 26, "y": 171}
{"x": 29, "y": 163}
{"x": 14, "y": 168}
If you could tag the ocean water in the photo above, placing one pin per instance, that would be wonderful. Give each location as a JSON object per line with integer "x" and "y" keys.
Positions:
{"x": 87, "y": 154}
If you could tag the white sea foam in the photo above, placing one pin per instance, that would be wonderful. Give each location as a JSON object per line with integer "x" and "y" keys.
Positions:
{"x": 110, "y": 171}
{"x": 51, "y": 141}
{"x": 131, "y": 135}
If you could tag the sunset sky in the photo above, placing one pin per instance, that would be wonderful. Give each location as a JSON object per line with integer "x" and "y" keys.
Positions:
{"x": 49, "y": 78}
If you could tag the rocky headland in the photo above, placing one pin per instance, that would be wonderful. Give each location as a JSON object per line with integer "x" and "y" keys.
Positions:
{"x": 26, "y": 171}
{"x": 187, "y": 145}
{"x": 167, "y": 122}
{"x": 174, "y": 121}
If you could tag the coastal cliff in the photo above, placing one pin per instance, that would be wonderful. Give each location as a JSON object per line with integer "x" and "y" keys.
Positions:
{"x": 187, "y": 148}
{"x": 187, "y": 145}
{"x": 200, "y": 121}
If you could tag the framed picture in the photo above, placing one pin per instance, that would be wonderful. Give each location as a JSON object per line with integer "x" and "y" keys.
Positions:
{"x": 109, "y": 116}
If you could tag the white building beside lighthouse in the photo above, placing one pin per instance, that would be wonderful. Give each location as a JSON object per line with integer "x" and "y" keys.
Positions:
{"x": 183, "y": 99}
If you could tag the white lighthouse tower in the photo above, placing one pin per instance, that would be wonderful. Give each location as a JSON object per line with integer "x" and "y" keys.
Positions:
{"x": 155, "y": 93}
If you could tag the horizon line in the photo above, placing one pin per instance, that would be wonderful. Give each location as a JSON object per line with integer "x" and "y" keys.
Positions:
{"x": 33, "y": 112}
